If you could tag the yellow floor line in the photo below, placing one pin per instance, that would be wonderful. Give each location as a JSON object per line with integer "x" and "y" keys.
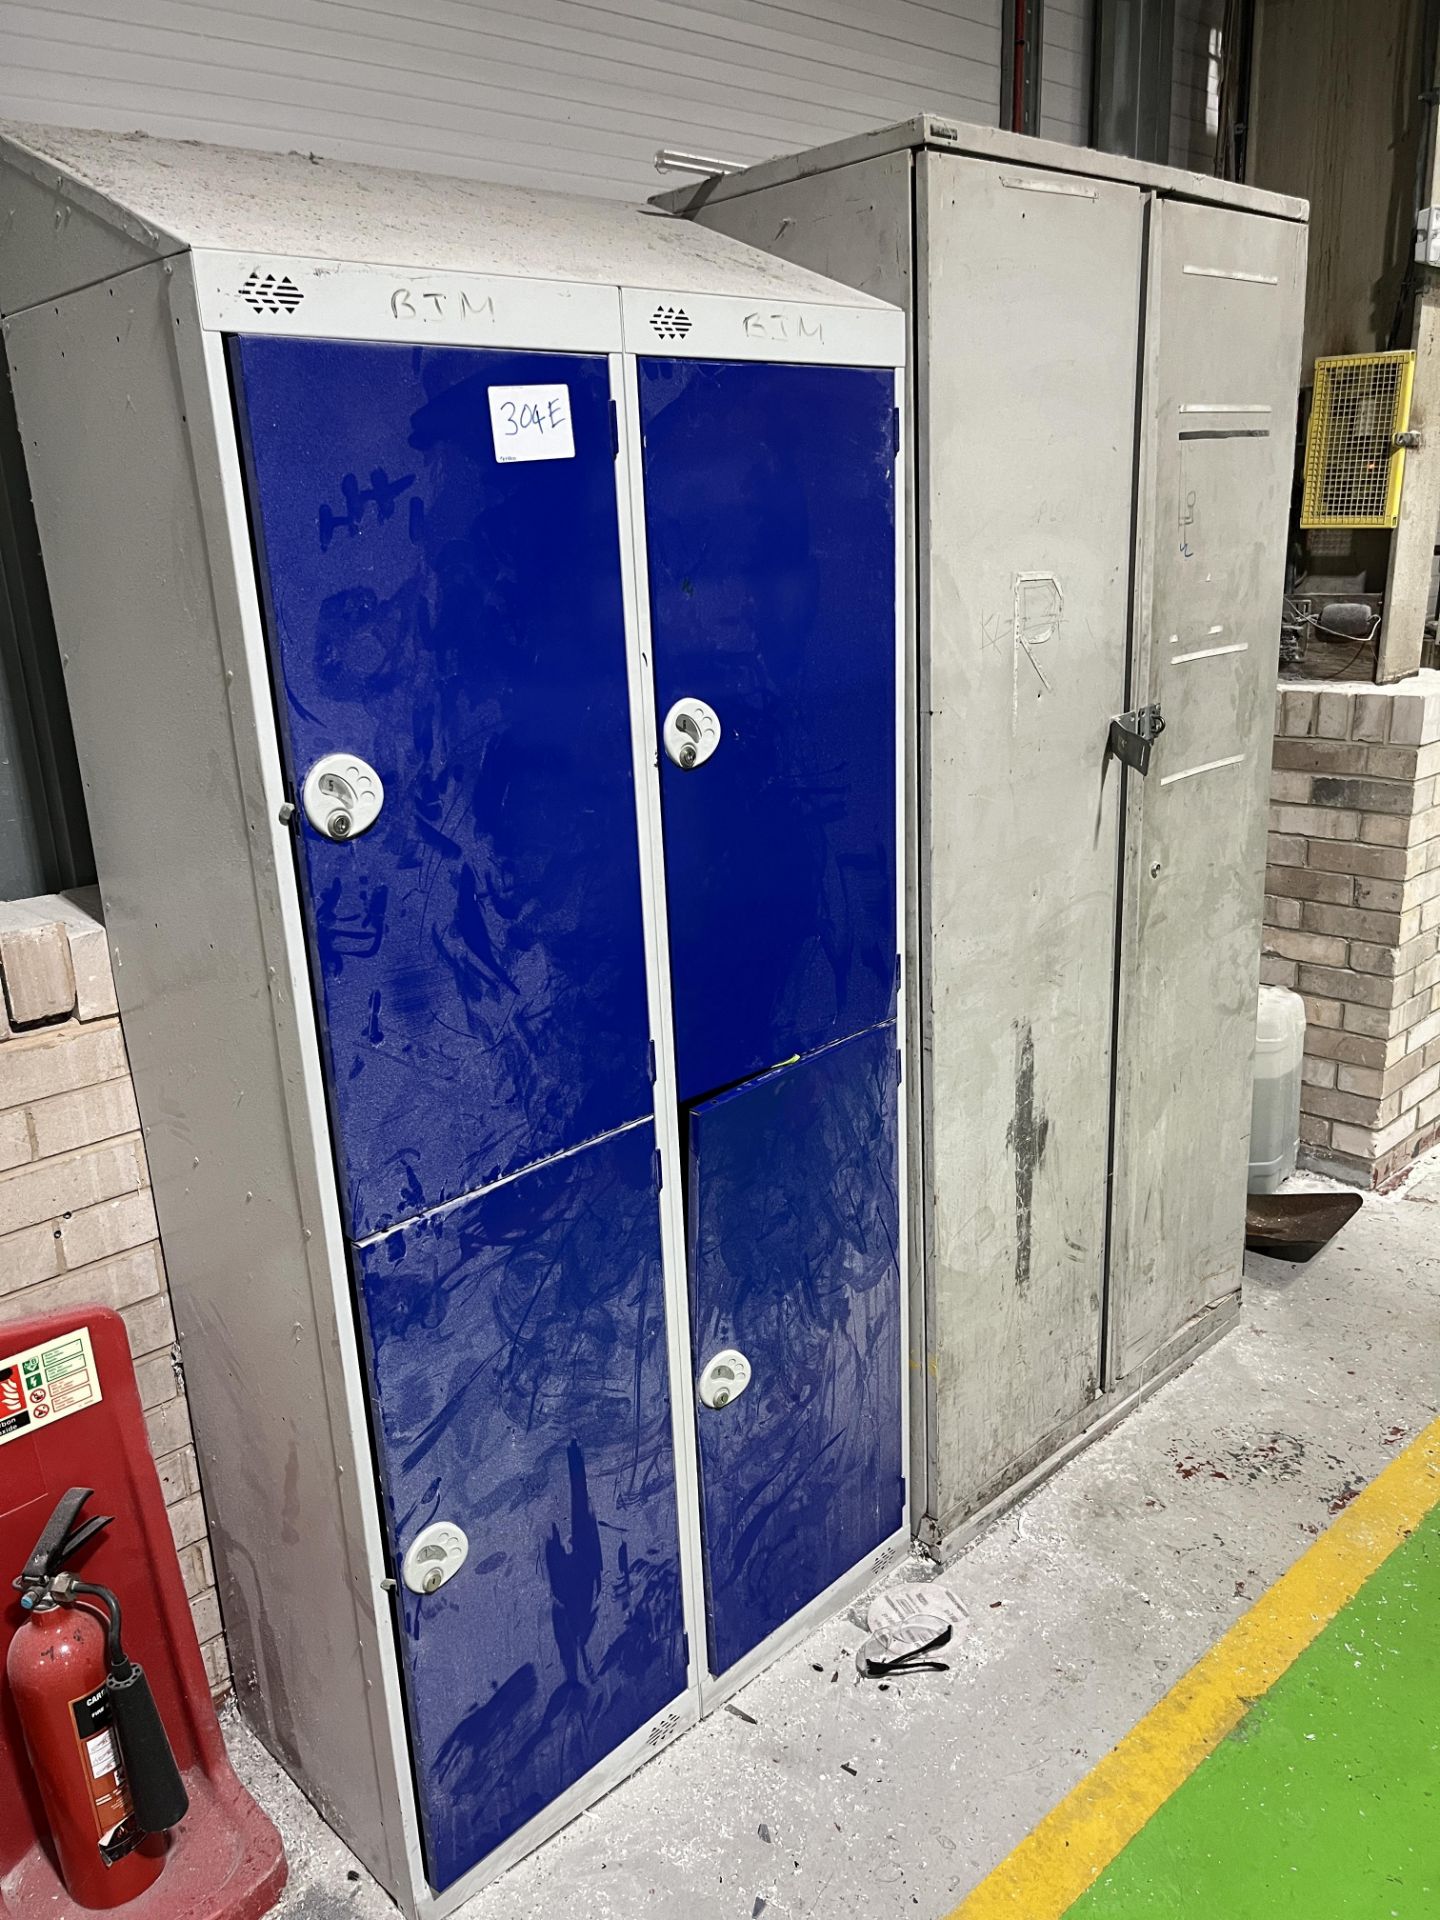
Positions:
{"x": 1073, "y": 1845}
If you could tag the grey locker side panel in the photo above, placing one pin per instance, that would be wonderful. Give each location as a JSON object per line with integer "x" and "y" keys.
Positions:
{"x": 1222, "y": 361}
{"x": 1024, "y": 585}
{"x": 855, "y": 223}
{"x": 852, "y": 223}
{"x": 192, "y": 913}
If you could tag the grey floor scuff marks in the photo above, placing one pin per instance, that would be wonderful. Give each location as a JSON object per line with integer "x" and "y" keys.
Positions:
{"x": 816, "y": 1795}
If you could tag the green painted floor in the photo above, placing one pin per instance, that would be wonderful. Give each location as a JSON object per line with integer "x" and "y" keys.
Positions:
{"x": 1324, "y": 1804}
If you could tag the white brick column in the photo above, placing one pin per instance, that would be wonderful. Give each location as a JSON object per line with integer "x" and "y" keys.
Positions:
{"x": 77, "y": 1223}
{"x": 1352, "y": 916}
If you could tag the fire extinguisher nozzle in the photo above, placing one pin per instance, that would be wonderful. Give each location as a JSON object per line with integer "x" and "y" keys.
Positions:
{"x": 157, "y": 1789}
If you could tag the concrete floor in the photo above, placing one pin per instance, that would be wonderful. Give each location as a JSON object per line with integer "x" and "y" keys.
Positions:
{"x": 818, "y": 1794}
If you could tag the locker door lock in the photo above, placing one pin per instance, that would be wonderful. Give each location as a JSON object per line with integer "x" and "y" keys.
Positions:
{"x": 724, "y": 1378}
{"x": 342, "y": 796}
{"x": 692, "y": 733}
{"x": 1132, "y": 735}
{"x": 434, "y": 1556}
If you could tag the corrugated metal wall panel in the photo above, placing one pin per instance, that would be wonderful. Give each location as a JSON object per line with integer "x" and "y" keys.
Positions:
{"x": 1065, "y": 71}
{"x": 553, "y": 93}
{"x": 563, "y": 94}
{"x": 1194, "y": 90}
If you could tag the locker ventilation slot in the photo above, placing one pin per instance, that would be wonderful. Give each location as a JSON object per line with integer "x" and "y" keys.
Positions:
{"x": 883, "y": 1559}
{"x": 263, "y": 293}
{"x": 662, "y": 1730}
{"x": 671, "y": 323}
{"x": 1353, "y": 464}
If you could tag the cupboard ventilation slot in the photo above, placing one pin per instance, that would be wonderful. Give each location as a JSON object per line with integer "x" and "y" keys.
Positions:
{"x": 265, "y": 293}
{"x": 671, "y": 323}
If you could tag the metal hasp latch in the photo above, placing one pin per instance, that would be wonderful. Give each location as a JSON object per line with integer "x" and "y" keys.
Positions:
{"x": 1133, "y": 734}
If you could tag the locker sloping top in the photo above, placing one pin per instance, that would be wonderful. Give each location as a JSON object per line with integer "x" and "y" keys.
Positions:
{"x": 986, "y": 143}
{"x": 78, "y": 206}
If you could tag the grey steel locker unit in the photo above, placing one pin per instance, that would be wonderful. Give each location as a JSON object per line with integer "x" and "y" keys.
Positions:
{"x": 1104, "y": 357}
{"x": 518, "y": 1056}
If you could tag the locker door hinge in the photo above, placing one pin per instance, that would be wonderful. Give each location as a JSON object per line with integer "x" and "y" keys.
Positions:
{"x": 1132, "y": 735}
{"x": 651, "y": 1045}
{"x": 899, "y": 1067}
{"x": 897, "y": 433}
{"x": 614, "y": 431}
{"x": 659, "y": 1171}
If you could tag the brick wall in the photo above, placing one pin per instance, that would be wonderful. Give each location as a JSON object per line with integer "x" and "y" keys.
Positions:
{"x": 77, "y": 1224}
{"x": 1352, "y": 915}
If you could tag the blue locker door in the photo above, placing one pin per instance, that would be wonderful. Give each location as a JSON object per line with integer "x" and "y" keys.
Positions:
{"x": 794, "y": 1224}
{"x": 770, "y": 520}
{"x": 517, "y": 1343}
{"x": 455, "y": 620}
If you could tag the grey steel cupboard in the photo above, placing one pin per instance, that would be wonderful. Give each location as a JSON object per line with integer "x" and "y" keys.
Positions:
{"x": 1104, "y": 357}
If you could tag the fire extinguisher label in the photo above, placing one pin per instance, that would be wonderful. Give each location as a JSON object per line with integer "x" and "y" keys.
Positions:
{"x": 115, "y": 1828}
{"x": 46, "y": 1383}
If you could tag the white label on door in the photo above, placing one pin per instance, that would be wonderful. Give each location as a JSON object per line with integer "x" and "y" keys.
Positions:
{"x": 531, "y": 423}
{"x": 45, "y": 1383}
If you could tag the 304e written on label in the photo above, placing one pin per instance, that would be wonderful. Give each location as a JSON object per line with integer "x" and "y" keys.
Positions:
{"x": 531, "y": 423}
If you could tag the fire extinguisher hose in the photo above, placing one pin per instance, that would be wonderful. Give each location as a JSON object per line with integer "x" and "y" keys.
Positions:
{"x": 157, "y": 1791}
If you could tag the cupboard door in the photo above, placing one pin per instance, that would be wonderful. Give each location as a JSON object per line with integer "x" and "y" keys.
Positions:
{"x": 793, "y": 1228}
{"x": 1220, "y": 406}
{"x": 770, "y": 524}
{"x": 455, "y": 620}
{"x": 1028, "y": 343}
{"x": 517, "y": 1352}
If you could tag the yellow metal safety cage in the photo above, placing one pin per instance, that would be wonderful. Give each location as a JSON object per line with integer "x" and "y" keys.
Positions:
{"x": 1354, "y": 462}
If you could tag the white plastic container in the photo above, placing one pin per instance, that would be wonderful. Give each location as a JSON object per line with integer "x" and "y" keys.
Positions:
{"x": 1275, "y": 1113}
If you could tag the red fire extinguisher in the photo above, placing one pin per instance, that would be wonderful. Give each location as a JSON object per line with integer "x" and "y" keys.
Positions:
{"x": 99, "y": 1751}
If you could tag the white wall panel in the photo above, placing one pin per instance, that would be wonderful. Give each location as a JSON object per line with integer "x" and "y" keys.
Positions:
{"x": 1065, "y": 71}
{"x": 552, "y": 93}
